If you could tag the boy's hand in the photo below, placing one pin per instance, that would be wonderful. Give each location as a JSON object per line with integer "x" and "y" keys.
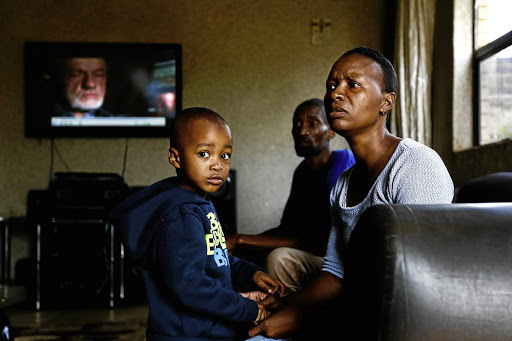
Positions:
{"x": 256, "y": 296}
{"x": 262, "y": 313}
{"x": 268, "y": 284}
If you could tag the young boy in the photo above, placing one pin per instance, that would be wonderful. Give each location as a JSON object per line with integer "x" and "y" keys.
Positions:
{"x": 173, "y": 229}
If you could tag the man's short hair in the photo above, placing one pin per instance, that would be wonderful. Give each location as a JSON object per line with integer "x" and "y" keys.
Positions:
{"x": 186, "y": 115}
{"x": 313, "y": 102}
{"x": 388, "y": 71}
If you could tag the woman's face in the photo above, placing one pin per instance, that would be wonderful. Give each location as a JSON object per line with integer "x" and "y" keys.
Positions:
{"x": 355, "y": 100}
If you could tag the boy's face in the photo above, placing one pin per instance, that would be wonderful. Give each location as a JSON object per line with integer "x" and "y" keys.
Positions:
{"x": 203, "y": 156}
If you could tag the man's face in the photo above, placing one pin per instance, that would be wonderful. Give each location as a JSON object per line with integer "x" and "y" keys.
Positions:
{"x": 311, "y": 132}
{"x": 85, "y": 82}
{"x": 203, "y": 155}
{"x": 355, "y": 95}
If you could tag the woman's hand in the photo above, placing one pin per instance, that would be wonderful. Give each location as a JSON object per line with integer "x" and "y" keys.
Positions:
{"x": 273, "y": 302}
{"x": 282, "y": 323}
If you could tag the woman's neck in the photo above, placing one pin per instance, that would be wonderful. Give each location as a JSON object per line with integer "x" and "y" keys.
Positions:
{"x": 372, "y": 155}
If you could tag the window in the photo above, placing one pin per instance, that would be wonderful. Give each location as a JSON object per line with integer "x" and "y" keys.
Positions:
{"x": 492, "y": 63}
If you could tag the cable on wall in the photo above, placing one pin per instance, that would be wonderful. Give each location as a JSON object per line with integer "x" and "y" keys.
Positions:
{"x": 51, "y": 159}
{"x": 55, "y": 150}
{"x": 125, "y": 156}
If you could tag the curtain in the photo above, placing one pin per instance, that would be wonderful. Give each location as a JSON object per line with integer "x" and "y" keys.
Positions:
{"x": 411, "y": 116}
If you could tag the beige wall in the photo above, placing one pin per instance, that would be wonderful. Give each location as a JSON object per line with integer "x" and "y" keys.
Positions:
{"x": 251, "y": 61}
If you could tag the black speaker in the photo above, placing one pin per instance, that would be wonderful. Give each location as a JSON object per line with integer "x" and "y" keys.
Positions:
{"x": 76, "y": 249}
{"x": 75, "y": 264}
{"x": 86, "y": 194}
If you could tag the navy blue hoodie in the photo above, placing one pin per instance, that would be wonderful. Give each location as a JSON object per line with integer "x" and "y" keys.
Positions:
{"x": 188, "y": 274}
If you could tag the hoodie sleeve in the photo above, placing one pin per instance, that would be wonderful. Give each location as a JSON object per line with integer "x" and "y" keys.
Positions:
{"x": 243, "y": 272}
{"x": 181, "y": 251}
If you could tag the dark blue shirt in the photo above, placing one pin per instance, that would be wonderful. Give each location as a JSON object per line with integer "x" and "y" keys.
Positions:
{"x": 306, "y": 213}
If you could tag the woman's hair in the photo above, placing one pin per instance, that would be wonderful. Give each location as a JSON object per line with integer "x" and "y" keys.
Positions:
{"x": 388, "y": 71}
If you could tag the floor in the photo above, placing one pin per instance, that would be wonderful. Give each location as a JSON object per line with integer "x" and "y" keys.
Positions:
{"x": 24, "y": 314}
{"x": 124, "y": 322}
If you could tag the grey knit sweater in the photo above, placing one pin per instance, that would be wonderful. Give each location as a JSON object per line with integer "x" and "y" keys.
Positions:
{"x": 415, "y": 174}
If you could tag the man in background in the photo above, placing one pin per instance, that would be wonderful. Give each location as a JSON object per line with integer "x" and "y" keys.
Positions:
{"x": 293, "y": 252}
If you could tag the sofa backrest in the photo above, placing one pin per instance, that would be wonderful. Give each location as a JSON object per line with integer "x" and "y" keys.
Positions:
{"x": 430, "y": 272}
{"x": 494, "y": 187}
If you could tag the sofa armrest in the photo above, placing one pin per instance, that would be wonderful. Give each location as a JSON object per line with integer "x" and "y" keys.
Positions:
{"x": 430, "y": 272}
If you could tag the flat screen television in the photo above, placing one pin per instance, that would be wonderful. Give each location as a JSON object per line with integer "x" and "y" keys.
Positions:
{"x": 101, "y": 89}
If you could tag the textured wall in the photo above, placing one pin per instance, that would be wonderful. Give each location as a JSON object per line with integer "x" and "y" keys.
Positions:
{"x": 251, "y": 61}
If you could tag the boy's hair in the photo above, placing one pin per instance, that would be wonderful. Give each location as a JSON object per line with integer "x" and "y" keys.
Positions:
{"x": 186, "y": 115}
{"x": 388, "y": 71}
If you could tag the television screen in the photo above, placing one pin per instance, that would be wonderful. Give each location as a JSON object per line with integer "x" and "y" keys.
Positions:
{"x": 101, "y": 89}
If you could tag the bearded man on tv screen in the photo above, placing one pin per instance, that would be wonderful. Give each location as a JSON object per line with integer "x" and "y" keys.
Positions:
{"x": 82, "y": 84}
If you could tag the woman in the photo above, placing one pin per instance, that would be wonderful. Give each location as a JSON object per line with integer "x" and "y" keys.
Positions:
{"x": 360, "y": 93}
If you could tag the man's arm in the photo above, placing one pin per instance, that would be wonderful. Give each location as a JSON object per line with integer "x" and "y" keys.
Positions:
{"x": 264, "y": 240}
